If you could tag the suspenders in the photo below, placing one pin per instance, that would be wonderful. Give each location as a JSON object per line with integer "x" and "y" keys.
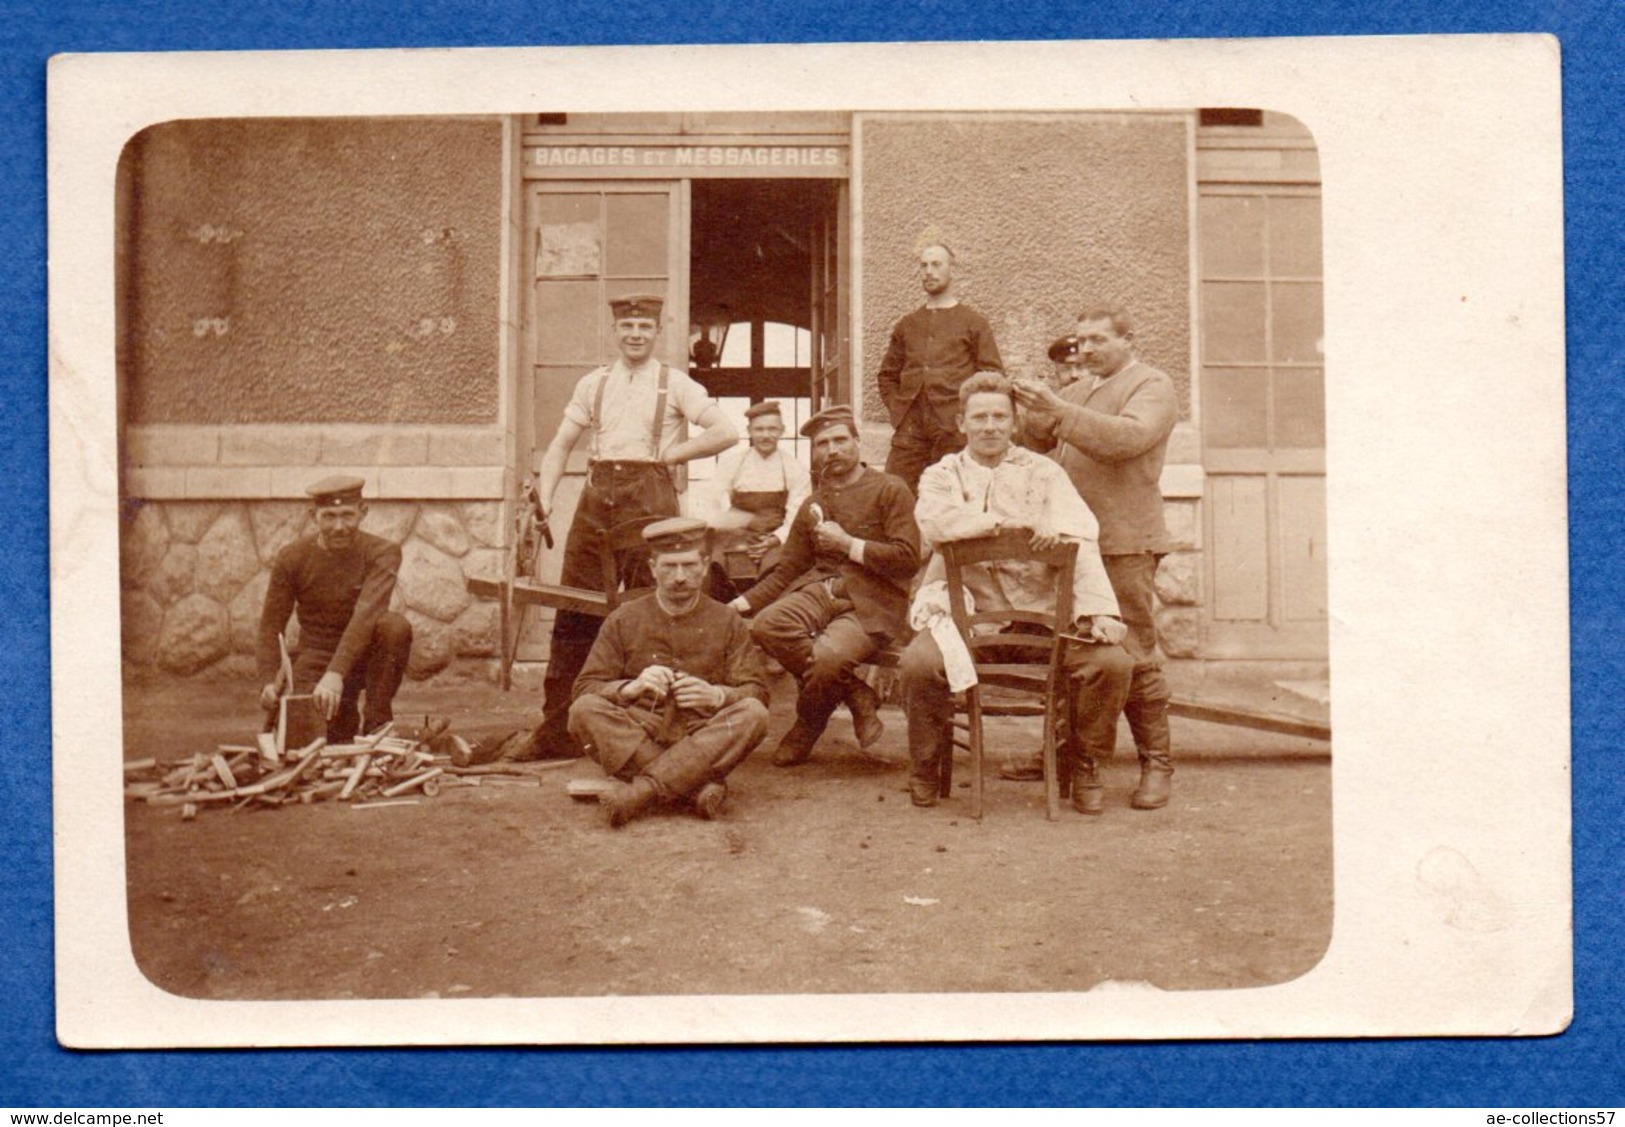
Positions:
{"x": 655, "y": 429}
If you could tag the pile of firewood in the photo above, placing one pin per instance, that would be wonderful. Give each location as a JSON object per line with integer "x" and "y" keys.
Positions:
{"x": 379, "y": 767}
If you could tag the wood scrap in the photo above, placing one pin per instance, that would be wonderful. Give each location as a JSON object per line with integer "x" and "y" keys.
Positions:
{"x": 223, "y": 770}
{"x": 412, "y": 783}
{"x": 381, "y": 766}
{"x": 267, "y": 748}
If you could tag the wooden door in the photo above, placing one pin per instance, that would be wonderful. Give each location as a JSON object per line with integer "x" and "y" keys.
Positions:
{"x": 1263, "y": 421}
{"x": 831, "y": 331}
{"x": 585, "y": 243}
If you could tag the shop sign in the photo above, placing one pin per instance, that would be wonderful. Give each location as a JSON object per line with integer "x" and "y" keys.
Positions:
{"x": 828, "y": 158}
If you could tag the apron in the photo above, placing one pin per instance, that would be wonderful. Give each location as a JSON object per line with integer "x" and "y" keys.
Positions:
{"x": 767, "y": 509}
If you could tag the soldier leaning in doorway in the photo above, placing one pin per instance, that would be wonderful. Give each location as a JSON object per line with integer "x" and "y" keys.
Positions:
{"x": 1110, "y": 431}
{"x": 632, "y": 411}
{"x": 750, "y": 500}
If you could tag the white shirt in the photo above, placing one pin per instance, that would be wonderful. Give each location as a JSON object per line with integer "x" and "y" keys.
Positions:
{"x": 626, "y": 428}
{"x": 742, "y": 468}
{"x": 961, "y": 499}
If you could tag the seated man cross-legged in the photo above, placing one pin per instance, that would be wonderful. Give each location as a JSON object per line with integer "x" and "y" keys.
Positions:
{"x": 673, "y": 695}
{"x": 986, "y": 488}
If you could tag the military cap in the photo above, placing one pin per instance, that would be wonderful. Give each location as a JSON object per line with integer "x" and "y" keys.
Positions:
{"x": 675, "y": 534}
{"x": 340, "y": 489}
{"x": 766, "y": 407}
{"x": 1064, "y": 350}
{"x": 828, "y": 417}
{"x": 637, "y": 305}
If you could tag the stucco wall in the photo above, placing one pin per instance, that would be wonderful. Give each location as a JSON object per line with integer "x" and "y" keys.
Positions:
{"x": 1043, "y": 214}
{"x": 311, "y": 271}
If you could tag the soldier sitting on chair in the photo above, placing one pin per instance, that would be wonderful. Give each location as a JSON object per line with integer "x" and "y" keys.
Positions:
{"x": 673, "y": 695}
{"x": 339, "y": 581}
{"x": 990, "y": 486}
{"x": 839, "y": 592}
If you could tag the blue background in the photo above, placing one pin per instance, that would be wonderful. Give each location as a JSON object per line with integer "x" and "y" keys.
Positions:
{"x": 1580, "y": 1067}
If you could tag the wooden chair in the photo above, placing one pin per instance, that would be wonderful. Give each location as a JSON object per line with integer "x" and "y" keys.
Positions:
{"x": 1017, "y": 654}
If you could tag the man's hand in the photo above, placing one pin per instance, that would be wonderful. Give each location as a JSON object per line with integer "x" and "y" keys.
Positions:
{"x": 327, "y": 694}
{"x": 740, "y": 604}
{"x": 1105, "y": 629}
{"x": 270, "y": 695}
{"x": 832, "y": 537}
{"x": 1044, "y": 536}
{"x": 656, "y": 681}
{"x": 761, "y": 546}
{"x": 697, "y": 694}
{"x": 1039, "y": 404}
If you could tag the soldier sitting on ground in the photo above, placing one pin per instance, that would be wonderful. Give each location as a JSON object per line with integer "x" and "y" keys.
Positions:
{"x": 673, "y": 695}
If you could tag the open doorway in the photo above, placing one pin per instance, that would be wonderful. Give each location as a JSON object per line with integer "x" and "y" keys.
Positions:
{"x": 763, "y": 304}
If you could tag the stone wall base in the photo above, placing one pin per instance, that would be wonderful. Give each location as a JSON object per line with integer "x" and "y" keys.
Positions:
{"x": 193, "y": 576}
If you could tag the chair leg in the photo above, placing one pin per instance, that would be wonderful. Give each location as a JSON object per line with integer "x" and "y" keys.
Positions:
{"x": 1052, "y": 788}
{"x": 1066, "y": 760}
{"x": 975, "y": 755}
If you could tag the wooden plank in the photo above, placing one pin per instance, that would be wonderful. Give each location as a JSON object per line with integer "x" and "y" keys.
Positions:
{"x": 1245, "y": 718}
{"x": 223, "y": 770}
{"x": 532, "y": 593}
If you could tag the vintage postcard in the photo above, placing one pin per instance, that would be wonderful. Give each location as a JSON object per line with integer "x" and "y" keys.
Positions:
{"x": 511, "y": 508}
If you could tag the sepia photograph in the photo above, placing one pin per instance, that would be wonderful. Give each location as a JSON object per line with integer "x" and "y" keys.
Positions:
{"x": 605, "y": 561}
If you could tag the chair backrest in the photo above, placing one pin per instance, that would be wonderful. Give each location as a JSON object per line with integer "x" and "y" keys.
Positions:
{"x": 623, "y": 559}
{"x": 1012, "y": 649}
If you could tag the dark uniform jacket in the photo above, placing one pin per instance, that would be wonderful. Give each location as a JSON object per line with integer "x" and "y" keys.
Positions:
{"x": 877, "y": 509}
{"x": 339, "y": 596}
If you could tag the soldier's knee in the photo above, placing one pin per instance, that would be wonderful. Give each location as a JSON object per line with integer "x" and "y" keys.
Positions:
{"x": 1104, "y": 665}
{"x": 584, "y": 709}
{"x": 393, "y": 630}
{"x": 920, "y": 662}
{"x": 754, "y": 714}
{"x": 827, "y": 664}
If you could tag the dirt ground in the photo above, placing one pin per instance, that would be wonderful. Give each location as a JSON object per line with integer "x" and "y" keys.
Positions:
{"x": 818, "y": 879}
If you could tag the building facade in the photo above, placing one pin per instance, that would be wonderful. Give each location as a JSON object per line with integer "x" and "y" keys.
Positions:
{"x": 413, "y": 300}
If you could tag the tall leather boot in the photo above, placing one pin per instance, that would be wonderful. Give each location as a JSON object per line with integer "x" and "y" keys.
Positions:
{"x": 864, "y": 704}
{"x": 796, "y": 746}
{"x": 627, "y": 800}
{"x": 1148, "y": 720}
{"x": 1088, "y": 795}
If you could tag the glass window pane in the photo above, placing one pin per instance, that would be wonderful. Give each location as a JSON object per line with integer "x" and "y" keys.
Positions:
{"x": 1300, "y": 407}
{"x": 568, "y": 207}
{"x": 1235, "y": 407}
{"x": 1297, "y": 327}
{"x": 568, "y": 315}
{"x": 1295, "y": 236}
{"x": 637, "y": 235}
{"x": 784, "y": 346}
{"x": 1233, "y": 322}
{"x": 554, "y": 386}
{"x": 569, "y": 239}
{"x": 1232, "y": 236}
{"x": 736, "y": 346}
